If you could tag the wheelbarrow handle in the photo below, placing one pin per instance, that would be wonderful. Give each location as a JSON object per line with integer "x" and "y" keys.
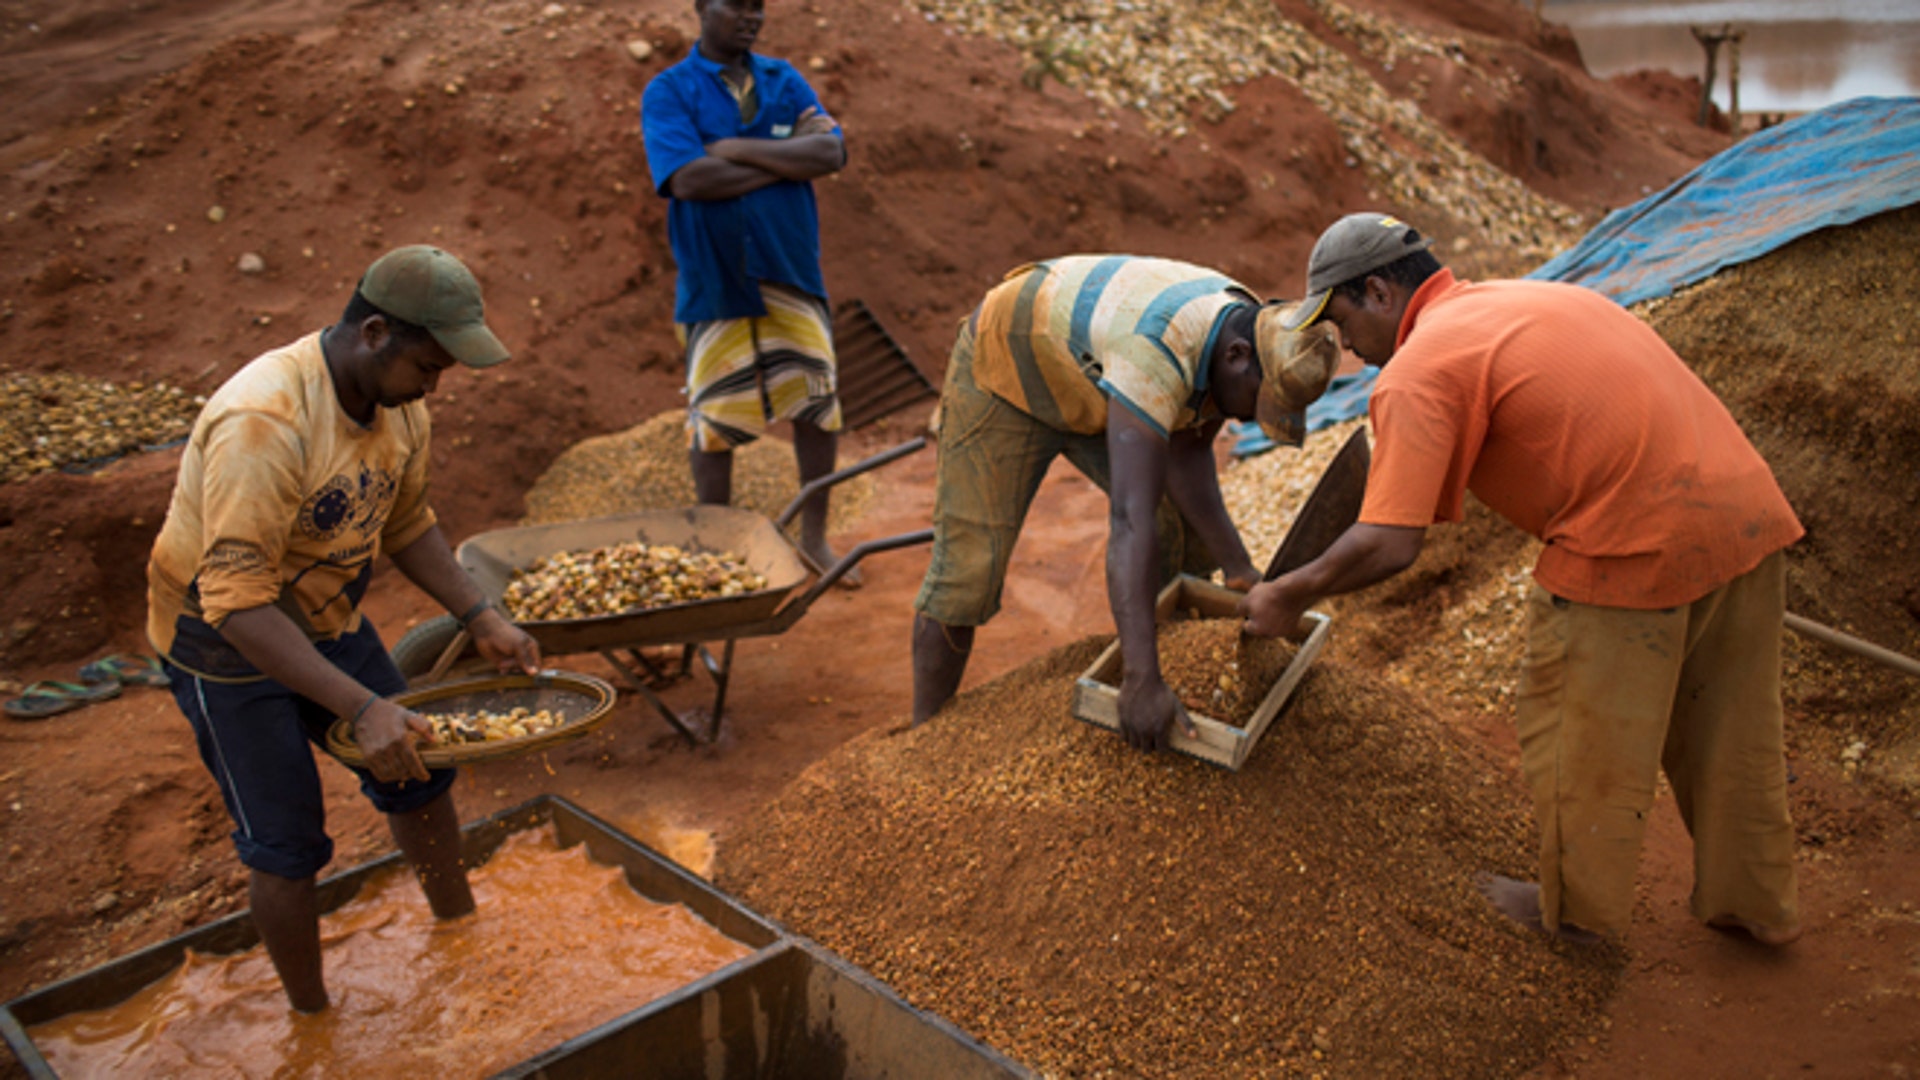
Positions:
{"x": 822, "y": 482}
{"x": 798, "y": 607}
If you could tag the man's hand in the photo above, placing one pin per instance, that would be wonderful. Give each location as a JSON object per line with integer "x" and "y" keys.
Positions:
{"x": 814, "y": 121}
{"x": 1273, "y": 610}
{"x": 387, "y": 734}
{"x": 1146, "y": 707}
{"x": 505, "y": 644}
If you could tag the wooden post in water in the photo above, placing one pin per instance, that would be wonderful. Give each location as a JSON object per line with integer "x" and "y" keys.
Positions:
{"x": 1711, "y": 43}
{"x": 1733, "y": 80}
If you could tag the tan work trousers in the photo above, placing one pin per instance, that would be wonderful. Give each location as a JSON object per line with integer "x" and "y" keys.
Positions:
{"x": 1611, "y": 696}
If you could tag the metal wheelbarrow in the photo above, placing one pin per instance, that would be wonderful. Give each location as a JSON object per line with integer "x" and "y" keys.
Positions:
{"x": 427, "y": 652}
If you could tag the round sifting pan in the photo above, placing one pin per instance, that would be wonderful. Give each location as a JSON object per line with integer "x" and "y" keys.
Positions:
{"x": 583, "y": 701}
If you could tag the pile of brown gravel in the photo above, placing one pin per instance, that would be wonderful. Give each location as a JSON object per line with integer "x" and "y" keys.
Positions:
{"x": 1218, "y": 671}
{"x": 57, "y": 420}
{"x": 1093, "y": 911}
{"x": 645, "y": 468}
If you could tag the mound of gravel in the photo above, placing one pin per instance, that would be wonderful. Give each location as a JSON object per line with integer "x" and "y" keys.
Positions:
{"x": 1093, "y": 911}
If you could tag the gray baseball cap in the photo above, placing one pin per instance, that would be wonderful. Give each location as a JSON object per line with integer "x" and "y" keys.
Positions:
{"x": 1354, "y": 245}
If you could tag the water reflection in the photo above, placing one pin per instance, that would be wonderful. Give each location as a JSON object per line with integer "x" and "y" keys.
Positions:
{"x": 1797, "y": 54}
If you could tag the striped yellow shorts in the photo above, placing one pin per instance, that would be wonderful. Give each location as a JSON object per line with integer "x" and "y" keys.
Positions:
{"x": 743, "y": 374}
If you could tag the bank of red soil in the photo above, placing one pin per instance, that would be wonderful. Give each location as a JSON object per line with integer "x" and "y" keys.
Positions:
{"x": 509, "y": 135}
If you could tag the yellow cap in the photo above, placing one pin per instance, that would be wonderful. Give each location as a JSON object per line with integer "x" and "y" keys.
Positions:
{"x": 1295, "y": 368}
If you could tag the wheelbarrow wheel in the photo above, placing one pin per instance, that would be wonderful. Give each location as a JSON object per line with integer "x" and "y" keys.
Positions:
{"x": 419, "y": 648}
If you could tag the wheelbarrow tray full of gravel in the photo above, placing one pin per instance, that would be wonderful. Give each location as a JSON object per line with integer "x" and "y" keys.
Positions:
{"x": 492, "y": 559}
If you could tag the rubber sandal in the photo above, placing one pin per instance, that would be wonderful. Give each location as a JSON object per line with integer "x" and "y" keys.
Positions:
{"x": 51, "y": 697}
{"x": 125, "y": 670}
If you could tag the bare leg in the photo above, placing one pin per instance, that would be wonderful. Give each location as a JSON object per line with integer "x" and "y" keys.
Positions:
{"x": 940, "y": 655}
{"x": 1520, "y": 901}
{"x": 712, "y": 476}
{"x": 814, "y": 450}
{"x": 286, "y": 911}
{"x": 430, "y": 839}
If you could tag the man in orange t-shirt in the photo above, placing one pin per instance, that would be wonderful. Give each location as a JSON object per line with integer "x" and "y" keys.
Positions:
{"x": 1655, "y": 616}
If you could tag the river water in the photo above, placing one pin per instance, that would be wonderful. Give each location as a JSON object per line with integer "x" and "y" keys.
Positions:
{"x": 1797, "y": 55}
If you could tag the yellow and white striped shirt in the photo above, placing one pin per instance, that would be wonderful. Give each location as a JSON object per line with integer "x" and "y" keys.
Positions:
{"x": 1057, "y": 339}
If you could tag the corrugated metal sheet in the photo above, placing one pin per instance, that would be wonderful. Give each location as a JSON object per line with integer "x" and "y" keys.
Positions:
{"x": 876, "y": 376}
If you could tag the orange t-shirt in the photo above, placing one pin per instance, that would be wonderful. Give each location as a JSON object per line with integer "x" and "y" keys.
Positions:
{"x": 282, "y": 499}
{"x": 1572, "y": 419}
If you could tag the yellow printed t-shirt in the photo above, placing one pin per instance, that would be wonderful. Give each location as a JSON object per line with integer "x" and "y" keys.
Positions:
{"x": 1056, "y": 339}
{"x": 282, "y": 499}
{"x": 1572, "y": 419}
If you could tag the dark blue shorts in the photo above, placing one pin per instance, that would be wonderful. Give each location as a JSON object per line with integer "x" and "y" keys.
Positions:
{"x": 254, "y": 738}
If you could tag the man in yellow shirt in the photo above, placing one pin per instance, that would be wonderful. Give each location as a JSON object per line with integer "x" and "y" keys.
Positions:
{"x": 301, "y": 469}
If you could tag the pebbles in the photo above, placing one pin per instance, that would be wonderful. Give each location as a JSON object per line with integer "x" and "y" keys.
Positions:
{"x": 1166, "y": 58}
{"x": 624, "y": 577}
{"x": 1263, "y": 493}
{"x": 646, "y": 468}
{"x": 58, "y": 420}
{"x": 1218, "y": 671}
{"x": 488, "y": 726}
{"x": 1094, "y": 911}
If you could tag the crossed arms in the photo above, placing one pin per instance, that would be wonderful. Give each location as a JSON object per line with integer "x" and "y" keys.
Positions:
{"x": 733, "y": 167}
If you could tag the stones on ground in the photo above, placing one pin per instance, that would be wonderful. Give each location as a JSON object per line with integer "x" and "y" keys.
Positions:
{"x": 59, "y": 420}
{"x": 1263, "y": 493}
{"x": 1218, "y": 671}
{"x": 640, "y": 49}
{"x": 1169, "y": 58}
{"x": 646, "y": 468}
{"x": 1093, "y": 911}
{"x": 251, "y": 263}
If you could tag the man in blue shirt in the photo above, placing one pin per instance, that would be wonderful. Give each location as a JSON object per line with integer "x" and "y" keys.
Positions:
{"x": 734, "y": 140}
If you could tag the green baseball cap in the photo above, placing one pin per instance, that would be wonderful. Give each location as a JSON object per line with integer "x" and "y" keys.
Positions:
{"x": 1356, "y": 244}
{"x": 429, "y": 288}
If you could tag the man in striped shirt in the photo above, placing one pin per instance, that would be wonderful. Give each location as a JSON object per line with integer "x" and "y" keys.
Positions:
{"x": 1127, "y": 366}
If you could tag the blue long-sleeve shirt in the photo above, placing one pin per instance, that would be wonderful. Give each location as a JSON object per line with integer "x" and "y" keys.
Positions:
{"x": 725, "y": 247}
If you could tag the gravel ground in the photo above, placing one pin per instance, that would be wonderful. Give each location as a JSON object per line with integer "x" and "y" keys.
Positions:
{"x": 67, "y": 421}
{"x": 645, "y": 468}
{"x": 1172, "y": 59}
{"x": 1093, "y": 911}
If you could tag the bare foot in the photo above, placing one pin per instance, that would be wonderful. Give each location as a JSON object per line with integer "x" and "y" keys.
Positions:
{"x": 820, "y": 556}
{"x": 1774, "y": 936}
{"x": 1520, "y": 901}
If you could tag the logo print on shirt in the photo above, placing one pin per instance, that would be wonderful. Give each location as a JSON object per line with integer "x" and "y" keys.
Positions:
{"x": 344, "y": 501}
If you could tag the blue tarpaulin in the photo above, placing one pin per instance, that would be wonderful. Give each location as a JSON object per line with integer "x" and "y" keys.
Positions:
{"x": 1832, "y": 167}
{"x": 1839, "y": 165}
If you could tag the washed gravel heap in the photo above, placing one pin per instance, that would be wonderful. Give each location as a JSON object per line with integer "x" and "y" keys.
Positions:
{"x": 1094, "y": 911}
{"x": 1160, "y": 57}
{"x": 58, "y": 420}
{"x": 645, "y": 468}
